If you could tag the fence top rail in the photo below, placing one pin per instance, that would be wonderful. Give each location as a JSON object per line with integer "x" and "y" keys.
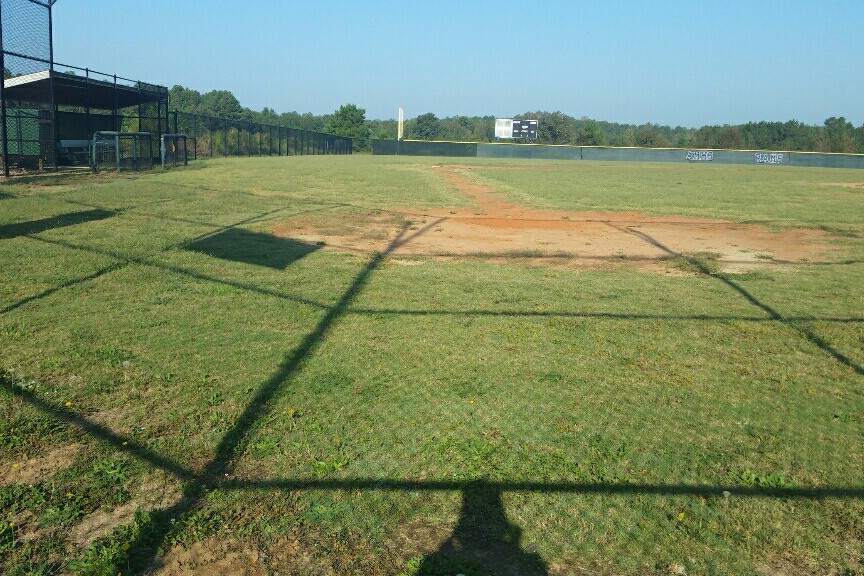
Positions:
{"x": 115, "y": 133}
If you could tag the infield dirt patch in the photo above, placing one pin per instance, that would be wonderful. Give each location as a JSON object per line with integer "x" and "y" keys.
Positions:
{"x": 494, "y": 229}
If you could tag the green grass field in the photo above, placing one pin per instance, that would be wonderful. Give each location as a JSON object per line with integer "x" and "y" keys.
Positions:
{"x": 173, "y": 373}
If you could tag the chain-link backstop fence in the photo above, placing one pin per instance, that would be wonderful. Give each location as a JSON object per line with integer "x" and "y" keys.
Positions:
{"x": 51, "y": 113}
{"x": 26, "y": 119}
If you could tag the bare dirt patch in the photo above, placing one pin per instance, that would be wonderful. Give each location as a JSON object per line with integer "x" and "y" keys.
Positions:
{"x": 211, "y": 557}
{"x": 285, "y": 556}
{"x": 494, "y": 229}
{"x": 156, "y": 493}
{"x": 854, "y": 185}
{"x": 32, "y": 470}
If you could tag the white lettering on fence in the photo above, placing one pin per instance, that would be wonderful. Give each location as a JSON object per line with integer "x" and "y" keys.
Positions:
{"x": 700, "y": 155}
{"x": 768, "y": 158}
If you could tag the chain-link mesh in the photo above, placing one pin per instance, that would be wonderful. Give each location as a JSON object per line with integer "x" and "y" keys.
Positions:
{"x": 210, "y": 137}
{"x": 123, "y": 151}
{"x": 174, "y": 150}
{"x": 51, "y": 113}
{"x": 26, "y": 29}
{"x": 27, "y": 136}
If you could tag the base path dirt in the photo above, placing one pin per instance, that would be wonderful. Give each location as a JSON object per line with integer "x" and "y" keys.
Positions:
{"x": 494, "y": 229}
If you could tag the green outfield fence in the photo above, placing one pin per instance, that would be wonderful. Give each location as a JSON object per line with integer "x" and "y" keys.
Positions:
{"x": 547, "y": 152}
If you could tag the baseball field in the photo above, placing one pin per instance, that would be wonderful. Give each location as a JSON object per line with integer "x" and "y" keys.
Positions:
{"x": 395, "y": 365}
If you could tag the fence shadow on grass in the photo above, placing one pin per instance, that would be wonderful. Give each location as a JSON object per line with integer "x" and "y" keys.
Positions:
{"x": 807, "y": 333}
{"x": 8, "y": 231}
{"x": 257, "y": 248}
{"x": 483, "y": 534}
{"x": 484, "y": 540}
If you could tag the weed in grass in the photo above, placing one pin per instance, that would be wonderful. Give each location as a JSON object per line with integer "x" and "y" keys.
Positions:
{"x": 199, "y": 525}
{"x": 64, "y": 510}
{"x": 750, "y": 479}
{"x": 14, "y": 332}
{"x": 7, "y": 534}
{"x": 40, "y": 557}
{"x": 331, "y": 465}
{"x": 264, "y": 448}
{"x": 438, "y": 565}
{"x": 112, "y": 356}
{"x": 701, "y": 263}
{"x": 99, "y": 559}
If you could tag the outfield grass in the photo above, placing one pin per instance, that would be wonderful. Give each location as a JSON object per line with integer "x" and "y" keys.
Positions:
{"x": 446, "y": 417}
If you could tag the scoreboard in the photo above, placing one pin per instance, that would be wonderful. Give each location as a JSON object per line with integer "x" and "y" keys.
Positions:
{"x": 525, "y": 129}
{"x": 507, "y": 128}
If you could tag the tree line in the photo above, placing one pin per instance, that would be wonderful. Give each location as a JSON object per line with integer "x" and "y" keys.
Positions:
{"x": 836, "y": 134}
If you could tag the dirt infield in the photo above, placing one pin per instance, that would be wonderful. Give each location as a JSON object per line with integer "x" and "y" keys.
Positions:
{"x": 496, "y": 230}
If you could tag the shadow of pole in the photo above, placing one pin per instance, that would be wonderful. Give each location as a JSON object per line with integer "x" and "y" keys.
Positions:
{"x": 8, "y": 231}
{"x": 483, "y": 534}
{"x": 484, "y": 540}
{"x": 232, "y": 443}
{"x": 125, "y": 260}
{"x": 804, "y": 331}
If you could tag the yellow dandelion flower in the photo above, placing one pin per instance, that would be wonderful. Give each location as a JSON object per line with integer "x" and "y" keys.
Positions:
{"x": 680, "y": 516}
{"x": 16, "y": 465}
{"x": 68, "y": 404}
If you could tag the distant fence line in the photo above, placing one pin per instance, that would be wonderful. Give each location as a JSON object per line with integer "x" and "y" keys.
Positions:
{"x": 209, "y": 137}
{"x": 29, "y": 139}
{"x": 549, "y": 152}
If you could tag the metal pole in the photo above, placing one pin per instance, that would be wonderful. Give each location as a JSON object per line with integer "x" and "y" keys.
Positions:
{"x": 54, "y": 127}
{"x": 88, "y": 126}
{"x": 3, "y": 133}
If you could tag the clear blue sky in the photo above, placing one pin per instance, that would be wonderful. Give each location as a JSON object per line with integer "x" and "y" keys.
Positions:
{"x": 687, "y": 62}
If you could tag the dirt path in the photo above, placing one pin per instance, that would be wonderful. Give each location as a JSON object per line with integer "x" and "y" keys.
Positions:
{"x": 496, "y": 230}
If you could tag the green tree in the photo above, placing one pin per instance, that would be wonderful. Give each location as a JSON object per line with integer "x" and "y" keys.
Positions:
{"x": 730, "y": 138}
{"x": 589, "y": 134}
{"x": 838, "y": 136}
{"x": 350, "y": 121}
{"x": 651, "y": 136}
{"x": 553, "y": 127}
{"x": 223, "y": 104}
{"x": 184, "y": 99}
{"x": 426, "y": 127}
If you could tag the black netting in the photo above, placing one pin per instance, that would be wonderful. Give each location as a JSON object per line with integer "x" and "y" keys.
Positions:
{"x": 17, "y": 66}
{"x": 26, "y": 29}
{"x": 28, "y": 133}
{"x": 174, "y": 150}
{"x": 124, "y": 151}
{"x": 209, "y": 137}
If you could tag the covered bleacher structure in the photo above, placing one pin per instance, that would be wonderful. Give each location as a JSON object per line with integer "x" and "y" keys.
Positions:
{"x": 50, "y": 112}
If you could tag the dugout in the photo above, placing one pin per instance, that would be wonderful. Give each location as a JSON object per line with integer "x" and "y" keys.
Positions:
{"x": 46, "y": 134}
{"x": 48, "y": 112}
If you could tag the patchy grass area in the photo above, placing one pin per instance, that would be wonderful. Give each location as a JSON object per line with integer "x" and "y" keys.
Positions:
{"x": 183, "y": 388}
